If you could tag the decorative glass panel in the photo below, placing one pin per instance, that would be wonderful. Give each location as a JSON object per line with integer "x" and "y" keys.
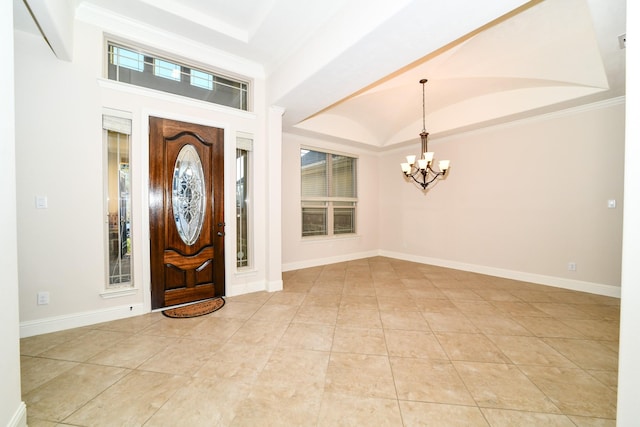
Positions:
{"x": 242, "y": 191}
{"x": 119, "y": 208}
{"x": 189, "y": 194}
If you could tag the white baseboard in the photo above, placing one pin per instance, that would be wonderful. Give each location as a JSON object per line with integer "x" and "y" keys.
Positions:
{"x": 558, "y": 282}
{"x": 330, "y": 260}
{"x": 273, "y": 286}
{"x": 59, "y": 323}
{"x": 76, "y": 320}
{"x": 19, "y": 418}
{"x": 245, "y": 288}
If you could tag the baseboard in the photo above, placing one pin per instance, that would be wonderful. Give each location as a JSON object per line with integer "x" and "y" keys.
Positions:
{"x": 245, "y": 288}
{"x": 330, "y": 260}
{"x": 59, "y": 323}
{"x": 275, "y": 285}
{"x": 76, "y": 320}
{"x": 558, "y": 282}
{"x": 19, "y": 418}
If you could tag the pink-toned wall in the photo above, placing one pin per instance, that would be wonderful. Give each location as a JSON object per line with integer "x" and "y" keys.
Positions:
{"x": 522, "y": 200}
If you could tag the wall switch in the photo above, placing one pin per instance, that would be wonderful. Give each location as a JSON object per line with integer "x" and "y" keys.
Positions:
{"x": 41, "y": 202}
{"x": 571, "y": 266}
{"x": 611, "y": 204}
{"x": 43, "y": 298}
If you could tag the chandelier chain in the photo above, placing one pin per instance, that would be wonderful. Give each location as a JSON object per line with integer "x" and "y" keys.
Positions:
{"x": 422, "y": 172}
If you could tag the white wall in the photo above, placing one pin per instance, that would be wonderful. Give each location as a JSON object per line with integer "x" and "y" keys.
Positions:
{"x": 59, "y": 155}
{"x": 521, "y": 200}
{"x": 298, "y": 252}
{"x": 12, "y": 409}
{"x": 629, "y": 353}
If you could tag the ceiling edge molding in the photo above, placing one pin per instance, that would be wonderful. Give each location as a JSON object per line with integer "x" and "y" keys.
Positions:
{"x": 570, "y": 111}
{"x": 435, "y": 139}
{"x": 134, "y": 31}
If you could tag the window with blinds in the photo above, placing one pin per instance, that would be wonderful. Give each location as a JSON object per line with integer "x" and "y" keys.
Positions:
{"x": 328, "y": 193}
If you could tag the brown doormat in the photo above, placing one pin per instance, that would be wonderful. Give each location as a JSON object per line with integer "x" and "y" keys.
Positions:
{"x": 196, "y": 309}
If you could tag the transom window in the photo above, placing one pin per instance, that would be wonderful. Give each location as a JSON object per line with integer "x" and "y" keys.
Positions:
{"x": 328, "y": 193}
{"x": 130, "y": 65}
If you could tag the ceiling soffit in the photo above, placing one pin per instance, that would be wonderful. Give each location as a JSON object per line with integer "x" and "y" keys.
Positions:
{"x": 543, "y": 56}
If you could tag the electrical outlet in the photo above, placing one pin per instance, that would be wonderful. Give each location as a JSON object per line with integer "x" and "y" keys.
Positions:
{"x": 571, "y": 266}
{"x": 43, "y": 298}
{"x": 622, "y": 41}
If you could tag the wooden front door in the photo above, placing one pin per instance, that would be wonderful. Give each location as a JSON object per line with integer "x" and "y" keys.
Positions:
{"x": 186, "y": 212}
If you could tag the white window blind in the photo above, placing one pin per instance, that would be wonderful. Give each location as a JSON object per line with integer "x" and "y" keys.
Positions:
{"x": 328, "y": 190}
{"x": 116, "y": 124}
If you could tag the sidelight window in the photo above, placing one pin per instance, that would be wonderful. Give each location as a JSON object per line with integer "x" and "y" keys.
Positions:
{"x": 117, "y": 152}
{"x": 243, "y": 212}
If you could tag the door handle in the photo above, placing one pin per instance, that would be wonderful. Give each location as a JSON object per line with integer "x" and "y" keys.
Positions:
{"x": 221, "y": 224}
{"x": 220, "y": 233}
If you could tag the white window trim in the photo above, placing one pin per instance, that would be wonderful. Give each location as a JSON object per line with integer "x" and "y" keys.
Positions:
{"x": 122, "y": 122}
{"x": 244, "y": 141}
{"x": 330, "y": 206}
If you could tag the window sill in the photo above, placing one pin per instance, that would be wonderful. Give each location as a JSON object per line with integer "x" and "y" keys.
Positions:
{"x": 246, "y": 271}
{"x": 165, "y": 96}
{"x": 118, "y": 292}
{"x": 325, "y": 239}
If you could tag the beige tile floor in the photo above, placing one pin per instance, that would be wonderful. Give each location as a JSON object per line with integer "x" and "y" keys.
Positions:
{"x": 373, "y": 342}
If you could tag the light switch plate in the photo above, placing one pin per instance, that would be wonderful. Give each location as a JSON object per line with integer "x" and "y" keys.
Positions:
{"x": 43, "y": 298}
{"x": 41, "y": 202}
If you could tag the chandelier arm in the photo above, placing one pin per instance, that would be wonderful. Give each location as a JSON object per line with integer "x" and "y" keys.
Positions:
{"x": 433, "y": 178}
{"x": 424, "y": 183}
{"x": 413, "y": 176}
{"x": 434, "y": 172}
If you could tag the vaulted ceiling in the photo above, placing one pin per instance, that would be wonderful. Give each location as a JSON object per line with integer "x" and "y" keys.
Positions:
{"x": 349, "y": 70}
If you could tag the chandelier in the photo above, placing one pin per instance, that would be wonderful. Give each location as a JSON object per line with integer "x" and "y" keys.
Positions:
{"x": 423, "y": 172}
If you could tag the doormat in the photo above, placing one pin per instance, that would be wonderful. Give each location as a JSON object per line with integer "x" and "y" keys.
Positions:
{"x": 196, "y": 309}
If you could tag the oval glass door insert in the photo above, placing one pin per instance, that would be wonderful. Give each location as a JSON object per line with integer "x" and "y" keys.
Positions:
{"x": 189, "y": 196}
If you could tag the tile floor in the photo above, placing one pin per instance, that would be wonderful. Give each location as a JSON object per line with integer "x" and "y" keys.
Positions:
{"x": 373, "y": 342}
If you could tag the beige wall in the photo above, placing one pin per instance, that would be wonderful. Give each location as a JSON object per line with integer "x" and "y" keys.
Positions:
{"x": 298, "y": 252}
{"x": 522, "y": 200}
{"x": 59, "y": 155}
